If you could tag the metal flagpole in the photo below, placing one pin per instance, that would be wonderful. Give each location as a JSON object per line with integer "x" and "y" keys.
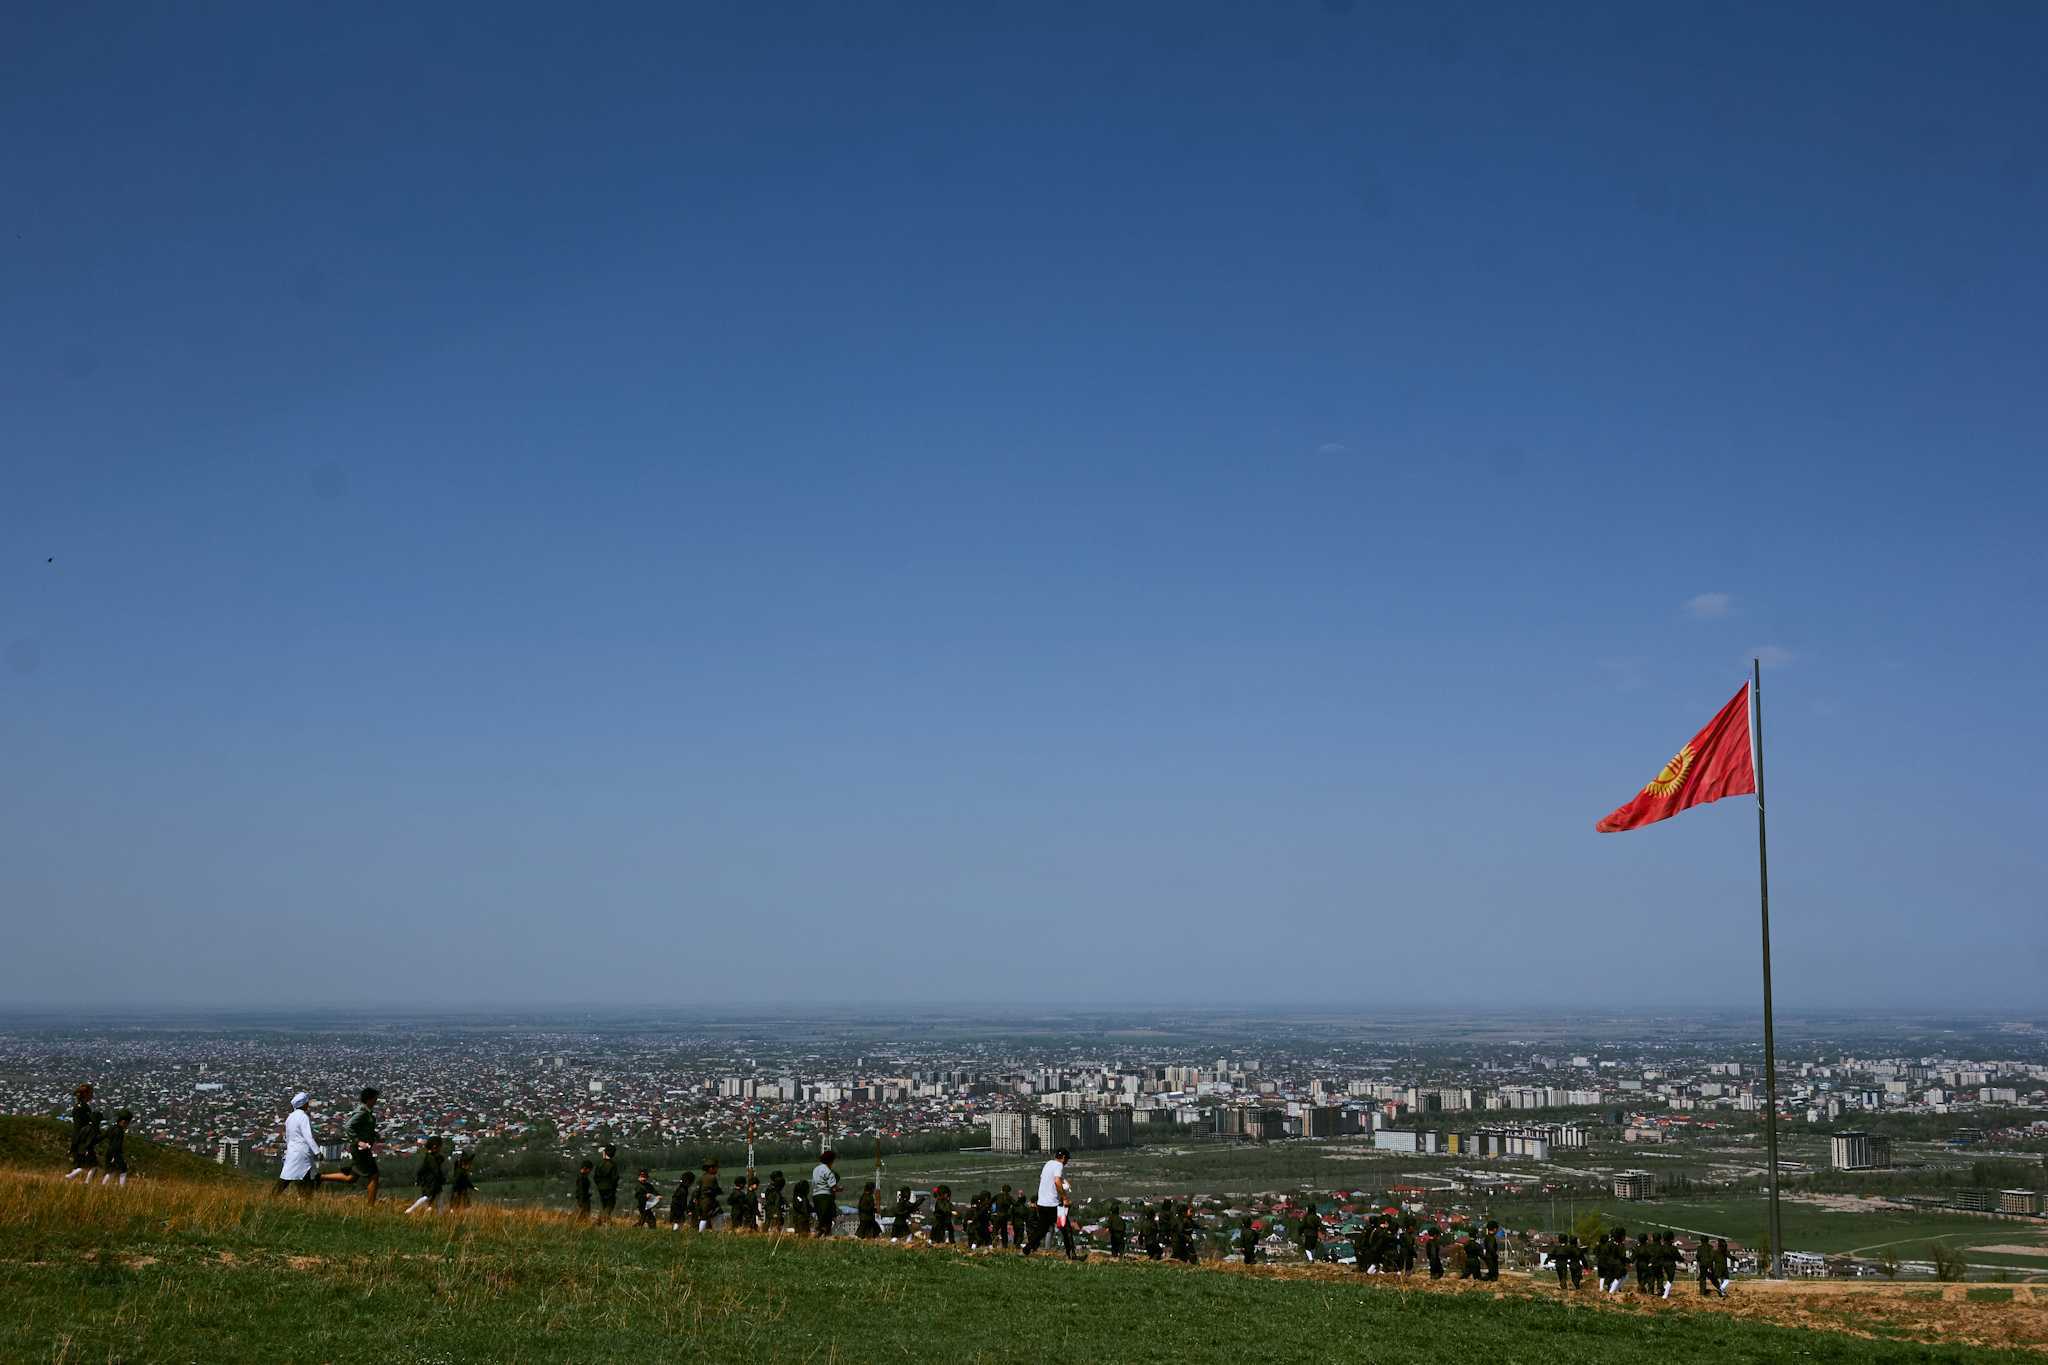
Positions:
{"x": 750, "y": 1148}
{"x": 1763, "y": 874}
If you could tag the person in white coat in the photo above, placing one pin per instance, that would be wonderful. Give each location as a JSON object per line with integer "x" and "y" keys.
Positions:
{"x": 301, "y": 1153}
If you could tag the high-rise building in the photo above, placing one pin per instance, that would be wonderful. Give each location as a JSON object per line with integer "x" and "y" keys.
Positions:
{"x": 1052, "y": 1131}
{"x": 1633, "y": 1185}
{"x": 1008, "y": 1132}
{"x": 1859, "y": 1152}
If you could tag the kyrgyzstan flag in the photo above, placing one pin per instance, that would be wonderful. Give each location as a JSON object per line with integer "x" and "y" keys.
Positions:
{"x": 1716, "y": 763}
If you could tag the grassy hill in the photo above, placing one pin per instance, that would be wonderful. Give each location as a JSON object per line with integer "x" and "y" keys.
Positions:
{"x": 35, "y": 1144}
{"x": 221, "y": 1272}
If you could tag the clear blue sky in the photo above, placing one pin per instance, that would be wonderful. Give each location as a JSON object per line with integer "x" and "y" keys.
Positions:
{"x": 850, "y": 502}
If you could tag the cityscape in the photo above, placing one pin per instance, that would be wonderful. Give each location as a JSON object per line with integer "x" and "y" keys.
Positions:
{"x": 1448, "y": 1120}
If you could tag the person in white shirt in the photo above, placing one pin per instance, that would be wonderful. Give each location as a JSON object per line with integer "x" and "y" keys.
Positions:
{"x": 301, "y": 1153}
{"x": 825, "y": 1193}
{"x": 1052, "y": 1193}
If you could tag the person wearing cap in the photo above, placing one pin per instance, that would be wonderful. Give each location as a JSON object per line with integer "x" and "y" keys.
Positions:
{"x": 465, "y": 1181}
{"x": 114, "y": 1161}
{"x": 906, "y": 1204}
{"x": 1052, "y": 1192}
{"x": 85, "y": 1133}
{"x": 362, "y": 1141}
{"x": 606, "y": 1179}
{"x": 430, "y": 1177}
{"x": 301, "y": 1153}
{"x": 1309, "y": 1233}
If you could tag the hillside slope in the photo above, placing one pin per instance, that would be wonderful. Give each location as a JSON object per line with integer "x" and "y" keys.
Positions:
{"x": 44, "y": 1145}
{"x": 167, "y": 1271}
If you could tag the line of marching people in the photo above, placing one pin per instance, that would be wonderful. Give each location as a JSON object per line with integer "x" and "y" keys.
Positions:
{"x": 97, "y": 1146}
{"x": 1656, "y": 1258}
{"x": 810, "y": 1207}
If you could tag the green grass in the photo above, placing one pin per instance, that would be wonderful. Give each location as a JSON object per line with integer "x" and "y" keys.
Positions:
{"x": 1987, "y": 1294}
{"x": 169, "y": 1272}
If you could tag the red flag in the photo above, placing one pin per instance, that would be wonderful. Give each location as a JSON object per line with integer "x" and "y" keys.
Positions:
{"x": 1715, "y": 764}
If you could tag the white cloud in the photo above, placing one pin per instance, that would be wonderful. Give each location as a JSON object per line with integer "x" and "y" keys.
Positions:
{"x": 1710, "y": 606}
{"x": 1333, "y": 448}
{"x": 1772, "y": 656}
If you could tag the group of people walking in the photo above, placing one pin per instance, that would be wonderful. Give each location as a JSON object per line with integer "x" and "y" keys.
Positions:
{"x": 97, "y": 1147}
{"x": 1656, "y": 1259}
{"x": 1002, "y": 1218}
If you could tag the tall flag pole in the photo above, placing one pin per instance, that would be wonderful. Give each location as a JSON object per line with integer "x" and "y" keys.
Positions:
{"x": 750, "y": 1147}
{"x": 1763, "y": 880}
{"x": 1726, "y": 759}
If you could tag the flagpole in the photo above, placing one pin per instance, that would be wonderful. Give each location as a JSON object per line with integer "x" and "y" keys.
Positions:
{"x": 1763, "y": 876}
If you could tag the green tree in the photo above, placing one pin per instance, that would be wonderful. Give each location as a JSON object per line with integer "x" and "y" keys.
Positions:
{"x": 1888, "y": 1262}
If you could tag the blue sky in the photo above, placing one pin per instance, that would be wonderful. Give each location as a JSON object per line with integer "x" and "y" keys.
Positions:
{"x": 821, "y": 502}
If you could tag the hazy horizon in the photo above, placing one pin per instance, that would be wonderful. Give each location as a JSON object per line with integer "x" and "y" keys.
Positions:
{"x": 1194, "y": 501}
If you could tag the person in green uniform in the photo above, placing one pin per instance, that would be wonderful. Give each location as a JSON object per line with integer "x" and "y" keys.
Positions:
{"x": 429, "y": 1177}
{"x": 361, "y": 1130}
{"x": 899, "y": 1221}
{"x": 942, "y": 1215}
{"x": 1703, "y": 1263}
{"x": 682, "y": 1201}
{"x": 1646, "y": 1264}
{"x": 736, "y": 1207}
{"x": 773, "y": 1198}
{"x": 1433, "y": 1251}
{"x": 114, "y": 1160}
{"x": 1003, "y": 1201}
{"x": 1309, "y": 1232}
{"x": 800, "y": 1208}
{"x": 1408, "y": 1245}
{"x": 465, "y": 1181}
{"x": 606, "y": 1181}
{"x": 583, "y": 1189}
{"x": 1148, "y": 1232}
{"x": 977, "y": 1220}
{"x": 1721, "y": 1269}
{"x": 1115, "y": 1226}
{"x": 85, "y": 1134}
{"x": 1185, "y": 1231}
{"x": 868, "y": 1223}
{"x": 1380, "y": 1243}
{"x": 710, "y": 1197}
{"x": 1248, "y": 1241}
{"x": 967, "y": 1223}
{"x": 1613, "y": 1263}
{"x": 753, "y": 1207}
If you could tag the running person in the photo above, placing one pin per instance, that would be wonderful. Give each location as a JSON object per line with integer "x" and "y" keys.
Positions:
{"x": 85, "y": 1134}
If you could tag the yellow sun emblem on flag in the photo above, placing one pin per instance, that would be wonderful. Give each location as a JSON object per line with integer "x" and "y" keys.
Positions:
{"x": 1671, "y": 776}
